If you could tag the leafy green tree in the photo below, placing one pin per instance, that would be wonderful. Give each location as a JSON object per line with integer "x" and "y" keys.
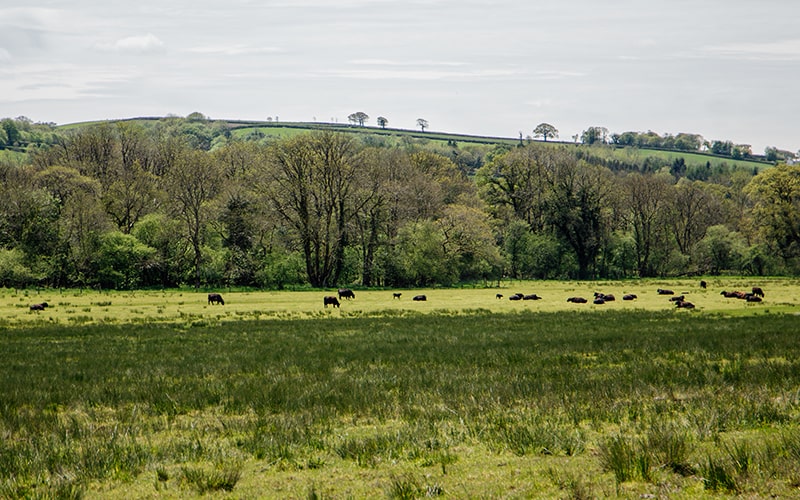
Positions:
{"x": 594, "y": 135}
{"x": 578, "y": 206}
{"x": 193, "y": 182}
{"x": 119, "y": 260}
{"x": 131, "y": 195}
{"x": 382, "y": 122}
{"x": 358, "y": 118}
{"x": 469, "y": 243}
{"x": 545, "y": 130}
{"x": 646, "y": 201}
{"x": 517, "y": 180}
{"x": 423, "y": 255}
{"x": 775, "y": 193}
{"x": 309, "y": 180}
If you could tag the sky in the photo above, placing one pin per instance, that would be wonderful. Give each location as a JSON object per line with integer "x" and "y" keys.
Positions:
{"x": 724, "y": 69}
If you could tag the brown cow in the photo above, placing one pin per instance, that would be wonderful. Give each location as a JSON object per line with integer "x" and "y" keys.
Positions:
{"x": 215, "y": 298}
{"x": 330, "y": 299}
{"x": 39, "y": 307}
{"x": 758, "y": 292}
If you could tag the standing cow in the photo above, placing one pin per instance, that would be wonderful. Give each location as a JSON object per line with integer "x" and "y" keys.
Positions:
{"x": 330, "y": 299}
{"x": 346, "y": 293}
{"x": 215, "y": 298}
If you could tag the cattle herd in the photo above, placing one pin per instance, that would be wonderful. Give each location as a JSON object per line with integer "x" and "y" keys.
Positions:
{"x": 756, "y": 294}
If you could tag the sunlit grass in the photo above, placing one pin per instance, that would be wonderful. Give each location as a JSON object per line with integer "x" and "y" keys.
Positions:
{"x": 462, "y": 396}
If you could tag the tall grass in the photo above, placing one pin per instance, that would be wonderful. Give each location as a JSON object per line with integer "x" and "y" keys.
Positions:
{"x": 107, "y": 402}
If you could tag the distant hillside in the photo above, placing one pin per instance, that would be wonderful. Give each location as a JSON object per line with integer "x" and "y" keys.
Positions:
{"x": 211, "y": 132}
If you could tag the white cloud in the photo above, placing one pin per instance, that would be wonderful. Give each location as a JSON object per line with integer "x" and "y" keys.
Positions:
{"x": 783, "y": 50}
{"x": 57, "y": 82}
{"x": 137, "y": 44}
{"x": 5, "y": 56}
{"x": 234, "y": 50}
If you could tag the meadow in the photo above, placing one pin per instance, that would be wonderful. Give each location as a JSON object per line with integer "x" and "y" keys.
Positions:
{"x": 157, "y": 394}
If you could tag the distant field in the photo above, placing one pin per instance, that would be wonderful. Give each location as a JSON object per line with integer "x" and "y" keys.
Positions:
{"x": 75, "y": 307}
{"x": 157, "y": 394}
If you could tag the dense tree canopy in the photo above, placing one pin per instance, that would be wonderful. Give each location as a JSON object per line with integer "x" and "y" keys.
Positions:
{"x": 182, "y": 201}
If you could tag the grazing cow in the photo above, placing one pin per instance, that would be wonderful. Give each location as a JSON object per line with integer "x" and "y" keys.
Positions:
{"x": 753, "y": 298}
{"x": 346, "y": 293}
{"x": 629, "y": 296}
{"x": 215, "y": 298}
{"x": 703, "y": 284}
{"x": 499, "y": 296}
{"x": 396, "y": 295}
{"x": 677, "y": 298}
{"x": 39, "y": 307}
{"x": 577, "y": 300}
{"x": 684, "y": 305}
{"x": 532, "y": 296}
{"x": 330, "y": 299}
{"x": 661, "y": 291}
{"x": 757, "y": 291}
{"x": 420, "y": 298}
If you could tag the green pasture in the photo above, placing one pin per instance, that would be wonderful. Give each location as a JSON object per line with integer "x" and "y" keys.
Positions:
{"x": 78, "y": 307}
{"x": 156, "y": 394}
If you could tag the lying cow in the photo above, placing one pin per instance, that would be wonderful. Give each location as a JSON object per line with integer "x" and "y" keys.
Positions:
{"x": 330, "y": 300}
{"x": 420, "y": 298}
{"x": 531, "y": 296}
{"x": 346, "y": 293}
{"x": 629, "y": 296}
{"x": 577, "y": 300}
{"x": 662, "y": 291}
{"x": 682, "y": 304}
{"x": 39, "y": 307}
{"x": 516, "y": 296}
{"x": 215, "y": 298}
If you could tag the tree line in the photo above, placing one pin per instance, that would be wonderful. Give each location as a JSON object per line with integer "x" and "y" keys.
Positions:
{"x": 122, "y": 205}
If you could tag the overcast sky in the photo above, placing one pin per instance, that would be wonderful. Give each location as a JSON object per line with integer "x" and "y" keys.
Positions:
{"x": 725, "y": 69}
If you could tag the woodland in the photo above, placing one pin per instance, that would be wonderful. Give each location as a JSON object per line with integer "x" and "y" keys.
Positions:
{"x": 188, "y": 202}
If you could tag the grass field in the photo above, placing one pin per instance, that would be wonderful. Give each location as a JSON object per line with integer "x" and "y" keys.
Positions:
{"x": 157, "y": 394}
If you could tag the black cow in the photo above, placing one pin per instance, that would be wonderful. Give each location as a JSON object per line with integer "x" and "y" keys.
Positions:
{"x": 516, "y": 296}
{"x": 757, "y": 291}
{"x": 396, "y": 295}
{"x": 661, "y": 291}
{"x": 703, "y": 284}
{"x": 531, "y": 296}
{"x": 330, "y": 299}
{"x": 577, "y": 300}
{"x": 629, "y": 296}
{"x": 346, "y": 293}
{"x": 420, "y": 298}
{"x": 678, "y": 298}
{"x": 682, "y": 304}
{"x": 498, "y": 296}
{"x": 39, "y": 307}
{"x": 753, "y": 298}
{"x": 605, "y": 297}
{"x": 215, "y": 298}
{"x": 598, "y": 301}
